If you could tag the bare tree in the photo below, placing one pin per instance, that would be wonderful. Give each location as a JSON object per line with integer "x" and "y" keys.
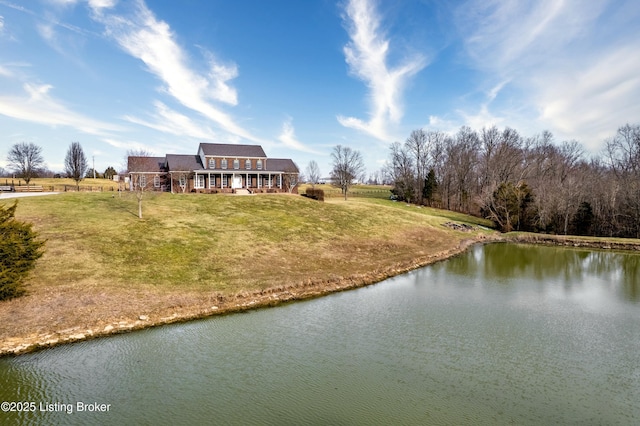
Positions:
{"x": 290, "y": 179}
{"x": 402, "y": 173}
{"x": 313, "y": 173}
{"x": 75, "y": 163}
{"x": 418, "y": 145}
{"x": 140, "y": 165}
{"x": 26, "y": 160}
{"x": 347, "y": 166}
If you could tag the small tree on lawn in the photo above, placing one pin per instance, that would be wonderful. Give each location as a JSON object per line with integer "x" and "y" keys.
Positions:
{"x": 75, "y": 163}
{"x": 137, "y": 164}
{"x": 25, "y": 159}
{"x": 347, "y": 166}
{"x": 19, "y": 250}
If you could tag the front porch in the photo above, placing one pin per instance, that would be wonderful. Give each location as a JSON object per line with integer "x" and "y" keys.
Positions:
{"x": 217, "y": 182}
{"x": 229, "y": 182}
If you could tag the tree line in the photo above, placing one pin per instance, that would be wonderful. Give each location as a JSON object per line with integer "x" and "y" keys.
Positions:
{"x": 524, "y": 183}
{"x": 25, "y": 160}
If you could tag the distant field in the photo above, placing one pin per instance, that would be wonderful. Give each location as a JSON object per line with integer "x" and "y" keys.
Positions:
{"x": 103, "y": 263}
{"x": 65, "y": 184}
{"x": 365, "y": 191}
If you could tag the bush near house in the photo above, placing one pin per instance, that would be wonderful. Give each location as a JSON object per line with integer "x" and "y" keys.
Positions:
{"x": 19, "y": 250}
{"x": 316, "y": 194}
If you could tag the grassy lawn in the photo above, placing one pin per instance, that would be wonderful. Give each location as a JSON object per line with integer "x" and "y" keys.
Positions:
{"x": 103, "y": 263}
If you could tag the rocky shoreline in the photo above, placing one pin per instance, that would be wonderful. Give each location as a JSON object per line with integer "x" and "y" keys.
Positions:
{"x": 279, "y": 295}
{"x": 572, "y": 241}
{"x": 228, "y": 304}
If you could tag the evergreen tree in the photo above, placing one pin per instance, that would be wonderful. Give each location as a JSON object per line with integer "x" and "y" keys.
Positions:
{"x": 19, "y": 250}
{"x": 109, "y": 173}
{"x": 583, "y": 219}
{"x": 430, "y": 187}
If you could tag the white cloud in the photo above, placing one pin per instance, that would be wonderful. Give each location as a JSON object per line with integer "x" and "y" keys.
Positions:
{"x": 288, "y": 138}
{"x": 572, "y": 64}
{"x": 167, "y": 120}
{"x": 144, "y": 37}
{"x": 47, "y": 32}
{"x": 366, "y": 55}
{"x": 39, "y": 107}
{"x": 4, "y": 72}
{"x": 130, "y": 145}
{"x": 97, "y": 5}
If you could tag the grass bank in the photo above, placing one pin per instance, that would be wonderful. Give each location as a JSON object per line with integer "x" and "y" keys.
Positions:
{"x": 105, "y": 270}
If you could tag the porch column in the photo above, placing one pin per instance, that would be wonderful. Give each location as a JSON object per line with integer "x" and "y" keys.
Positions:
{"x": 221, "y": 181}
{"x": 269, "y": 180}
{"x": 280, "y": 180}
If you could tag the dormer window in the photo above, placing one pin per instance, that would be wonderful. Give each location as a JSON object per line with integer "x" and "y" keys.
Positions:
{"x": 212, "y": 163}
{"x": 259, "y": 164}
{"x": 236, "y": 164}
{"x": 223, "y": 163}
{"x": 247, "y": 164}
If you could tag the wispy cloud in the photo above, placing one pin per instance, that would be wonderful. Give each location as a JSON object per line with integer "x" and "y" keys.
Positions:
{"x": 38, "y": 106}
{"x": 367, "y": 56}
{"x": 288, "y": 138}
{"x": 152, "y": 41}
{"x": 167, "y": 120}
{"x": 573, "y": 63}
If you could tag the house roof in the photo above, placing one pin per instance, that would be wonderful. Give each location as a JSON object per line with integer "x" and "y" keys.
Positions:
{"x": 183, "y": 163}
{"x": 232, "y": 150}
{"x": 146, "y": 164}
{"x": 281, "y": 165}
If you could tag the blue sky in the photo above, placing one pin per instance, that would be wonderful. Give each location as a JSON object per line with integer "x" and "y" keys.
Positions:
{"x": 299, "y": 77}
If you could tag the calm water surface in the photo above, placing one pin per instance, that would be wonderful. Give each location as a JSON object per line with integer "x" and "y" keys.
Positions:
{"x": 504, "y": 334}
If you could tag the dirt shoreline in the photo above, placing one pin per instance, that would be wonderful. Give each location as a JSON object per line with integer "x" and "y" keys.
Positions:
{"x": 228, "y": 304}
{"x": 278, "y": 295}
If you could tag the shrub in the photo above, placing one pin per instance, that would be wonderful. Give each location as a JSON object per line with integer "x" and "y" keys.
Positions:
{"x": 19, "y": 250}
{"x": 316, "y": 194}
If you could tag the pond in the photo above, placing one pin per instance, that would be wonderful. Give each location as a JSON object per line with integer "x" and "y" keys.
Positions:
{"x": 502, "y": 334}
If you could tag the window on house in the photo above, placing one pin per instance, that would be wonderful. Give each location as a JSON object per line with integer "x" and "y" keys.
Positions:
{"x": 236, "y": 164}
{"x": 199, "y": 183}
{"x": 223, "y": 163}
{"x": 142, "y": 181}
{"x": 156, "y": 181}
{"x": 259, "y": 164}
{"x": 183, "y": 181}
{"x": 247, "y": 164}
{"x": 225, "y": 183}
{"x": 212, "y": 163}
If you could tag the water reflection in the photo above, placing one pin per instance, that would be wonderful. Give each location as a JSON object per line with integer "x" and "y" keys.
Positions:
{"x": 502, "y": 334}
{"x": 570, "y": 267}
